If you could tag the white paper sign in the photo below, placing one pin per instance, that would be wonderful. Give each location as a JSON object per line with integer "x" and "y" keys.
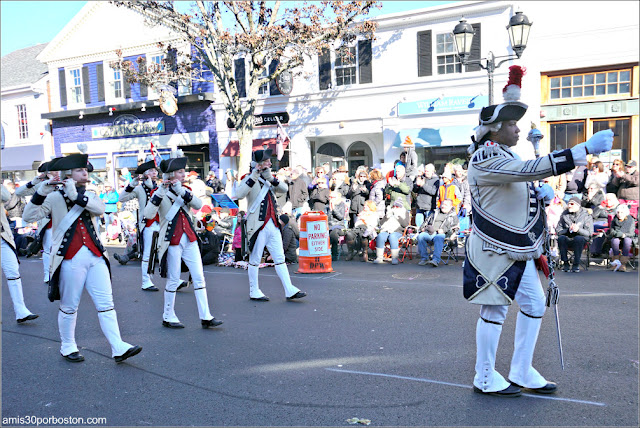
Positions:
{"x": 317, "y": 238}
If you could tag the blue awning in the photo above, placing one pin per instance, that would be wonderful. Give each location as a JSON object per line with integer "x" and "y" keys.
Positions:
{"x": 436, "y": 137}
{"x": 22, "y": 158}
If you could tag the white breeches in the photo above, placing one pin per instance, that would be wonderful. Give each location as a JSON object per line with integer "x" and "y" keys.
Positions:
{"x": 46, "y": 253}
{"x": 146, "y": 251}
{"x": 11, "y": 271}
{"x": 86, "y": 270}
{"x": 531, "y": 299}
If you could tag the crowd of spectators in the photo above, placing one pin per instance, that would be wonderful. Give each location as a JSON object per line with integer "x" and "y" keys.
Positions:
{"x": 371, "y": 212}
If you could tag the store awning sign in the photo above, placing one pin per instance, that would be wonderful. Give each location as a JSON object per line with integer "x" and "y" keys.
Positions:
{"x": 443, "y": 105}
{"x": 128, "y": 129}
{"x": 435, "y": 137}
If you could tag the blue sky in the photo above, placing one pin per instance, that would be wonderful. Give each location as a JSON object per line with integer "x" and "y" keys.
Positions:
{"x": 28, "y": 23}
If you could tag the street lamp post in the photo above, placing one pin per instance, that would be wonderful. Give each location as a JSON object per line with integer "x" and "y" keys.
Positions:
{"x": 518, "y": 30}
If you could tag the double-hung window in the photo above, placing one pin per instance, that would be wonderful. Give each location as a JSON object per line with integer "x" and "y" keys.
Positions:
{"x": 345, "y": 66}
{"x": 117, "y": 83}
{"x": 448, "y": 60}
{"x": 75, "y": 85}
{"x": 23, "y": 128}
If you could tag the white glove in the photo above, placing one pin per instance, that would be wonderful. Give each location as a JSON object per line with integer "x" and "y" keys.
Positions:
{"x": 178, "y": 189}
{"x": 255, "y": 173}
{"x": 600, "y": 142}
{"x": 160, "y": 191}
{"x": 267, "y": 174}
{"x": 38, "y": 179}
{"x": 545, "y": 192}
{"x": 135, "y": 181}
{"x": 45, "y": 188}
{"x": 70, "y": 189}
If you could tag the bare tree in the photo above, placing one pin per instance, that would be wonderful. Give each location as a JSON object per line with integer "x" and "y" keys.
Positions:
{"x": 221, "y": 31}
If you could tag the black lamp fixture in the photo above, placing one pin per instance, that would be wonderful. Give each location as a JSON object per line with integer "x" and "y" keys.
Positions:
{"x": 463, "y": 35}
{"x": 518, "y": 28}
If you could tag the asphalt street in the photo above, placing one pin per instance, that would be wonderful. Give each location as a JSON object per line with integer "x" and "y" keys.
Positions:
{"x": 392, "y": 344}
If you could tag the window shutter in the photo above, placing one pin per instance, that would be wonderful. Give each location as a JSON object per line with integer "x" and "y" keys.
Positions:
{"x": 172, "y": 57}
{"x": 143, "y": 69}
{"x": 127, "y": 86}
{"x": 273, "y": 88}
{"x": 240, "y": 77}
{"x": 86, "y": 84}
{"x": 63, "y": 87}
{"x": 324, "y": 69}
{"x": 100, "y": 79}
{"x": 475, "y": 53}
{"x": 424, "y": 53}
{"x": 364, "y": 61}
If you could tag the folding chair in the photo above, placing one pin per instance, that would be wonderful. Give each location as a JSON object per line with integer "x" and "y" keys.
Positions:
{"x": 406, "y": 242}
{"x": 585, "y": 260}
{"x": 450, "y": 249}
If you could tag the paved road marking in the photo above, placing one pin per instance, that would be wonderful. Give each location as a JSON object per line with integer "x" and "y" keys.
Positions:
{"x": 417, "y": 379}
{"x": 292, "y": 275}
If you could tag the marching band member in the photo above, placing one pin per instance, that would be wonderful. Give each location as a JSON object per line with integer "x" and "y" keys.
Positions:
{"x": 79, "y": 260}
{"x": 178, "y": 241}
{"x": 503, "y": 242}
{"x": 143, "y": 192}
{"x": 263, "y": 227}
{"x": 10, "y": 265}
{"x": 44, "y": 225}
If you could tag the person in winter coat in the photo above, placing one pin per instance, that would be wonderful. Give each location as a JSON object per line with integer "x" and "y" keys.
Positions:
{"x": 298, "y": 193}
{"x": 319, "y": 197}
{"x": 426, "y": 190}
{"x": 618, "y": 165}
{"x": 14, "y": 206}
{"x": 574, "y": 228}
{"x": 597, "y": 175}
{"x": 399, "y": 186}
{"x": 236, "y": 244}
{"x": 214, "y": 182}
{"x": 592, "y": 201}
{"x": 440, "y": 225}
{"x": 622, "y": 231}
{"x": 320, "y": 176}
{"x": 289, "y": 239}
{"x": 627, "y": 182}
{"x": 460, "y": 180}
{"x": 378, "y": 184}
{"x": 391, "y": 230}
{"x": 358, "y": 194}
{"x": 340, "y": 181}
{"x": 110, "y": 198}
{"x": 336, "y": 215}
{"x": 449, "y": 190}
{"x": 364, "y": 230}
{"x": 575, "y": 182}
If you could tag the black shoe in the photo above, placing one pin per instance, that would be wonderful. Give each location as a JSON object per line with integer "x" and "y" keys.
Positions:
{"x": 565, "y": 266}
{"x": 134, "y": 350}
{"x": 183, "y": 284}
{"x": 575, "y": 268}
{"x": 27, "y": 318}
{"x": 210, "y": 323}
{"x": 46, "y": 284}
{"x": 172, "y": 324}
{"x": 509, "y": 392}
{"x": 260, "y": 299}
{"x": 152, "y": 288}
{"x": 298, "y": 295}
{"x": 74, "y": 357}
{"x": 549, "y": 388}
{"x": 350, "y": 256}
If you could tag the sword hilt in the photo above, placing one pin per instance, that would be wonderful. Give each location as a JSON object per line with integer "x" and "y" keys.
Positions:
{"x": 553, "y": 293}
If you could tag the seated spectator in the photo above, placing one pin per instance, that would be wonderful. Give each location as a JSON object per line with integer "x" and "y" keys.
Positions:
{"x": 210, "y": 245}
{"x": 426, "y": 189}
{"x": 592, "y": 201}
{"x": 622, "y": 231}
{"x": 627, "y": 182}
{"x": 319, "y": 196}
{"x": 289, "y": 239}
{"x": 336, "y": 215}
{"x": 440, "y": 225}
{"x": 376, "y": 194}
{"x": 391, "y": 230}
{"x": 618, "y": 165}
{"x": 357, "y": 238}
{"x": 574, "y": 229}
{"x": 358, "y": 194}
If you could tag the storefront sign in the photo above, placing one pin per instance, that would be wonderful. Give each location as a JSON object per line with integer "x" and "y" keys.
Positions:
{"x": 128, "y": 129}
{"x": 441, "y": 105}
{"x": 265, "y": 119}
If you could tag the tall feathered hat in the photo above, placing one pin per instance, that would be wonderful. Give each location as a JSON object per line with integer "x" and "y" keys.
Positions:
{"x": 511, "y": 109}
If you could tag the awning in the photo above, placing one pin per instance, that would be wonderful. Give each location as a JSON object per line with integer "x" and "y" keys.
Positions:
{"x": 436, "y": 137}
{"x": 22, "y": 158}
{"x": 233, "y": 148}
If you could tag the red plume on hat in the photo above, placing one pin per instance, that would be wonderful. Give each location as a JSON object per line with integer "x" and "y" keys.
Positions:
{"x": 511, "y": 91}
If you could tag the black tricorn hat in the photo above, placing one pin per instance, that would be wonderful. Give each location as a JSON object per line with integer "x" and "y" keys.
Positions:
{"x": 76, "y": 160}
{"x": 146, "y": 166}
{"x": 173, "y": 164}
{"x": 46, "y": 166}
{"x": 260, "y": 155}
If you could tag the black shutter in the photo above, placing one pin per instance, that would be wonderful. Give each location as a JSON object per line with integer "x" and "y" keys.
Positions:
{"x": 240, "y": 77}
{"x": 364, "y": 61}
{"x": 63, "y": 87}
{"x": 273, "y": 88}
{"x": 100, "y": 79}
{"x": 143, "y": 69}
{"x": 86, "y": 84}
{"x": 475, "y": 53}
{"x": 324, "y": 69}
{"x": 127, "y": 86}
{"x": 172, "y": 57}
{"x": 424, "y": 53}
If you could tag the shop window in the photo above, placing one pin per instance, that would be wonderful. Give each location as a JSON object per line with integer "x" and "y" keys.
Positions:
{"x": 565, "y": 135}
{"x": 616, "y": 82}
{"x": 130, "y": 162}
{"x": 23, "y": 126}
{"x": 621, "y": 135}
{"x": 99, "y": 174}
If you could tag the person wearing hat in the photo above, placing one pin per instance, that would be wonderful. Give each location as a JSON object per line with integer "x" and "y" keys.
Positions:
{"x": 574, "y": 229}
{"x": 44, "y": 225}
{"x": 627, "y": 182}
{"x": 79, "y": 259}
{"x": 142, "y": 188}
{"x": 178, "y": 240}
{"x": 263, "y": 227}
{"x": 507, "y": 235}
{"x": 10, "y": 265}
